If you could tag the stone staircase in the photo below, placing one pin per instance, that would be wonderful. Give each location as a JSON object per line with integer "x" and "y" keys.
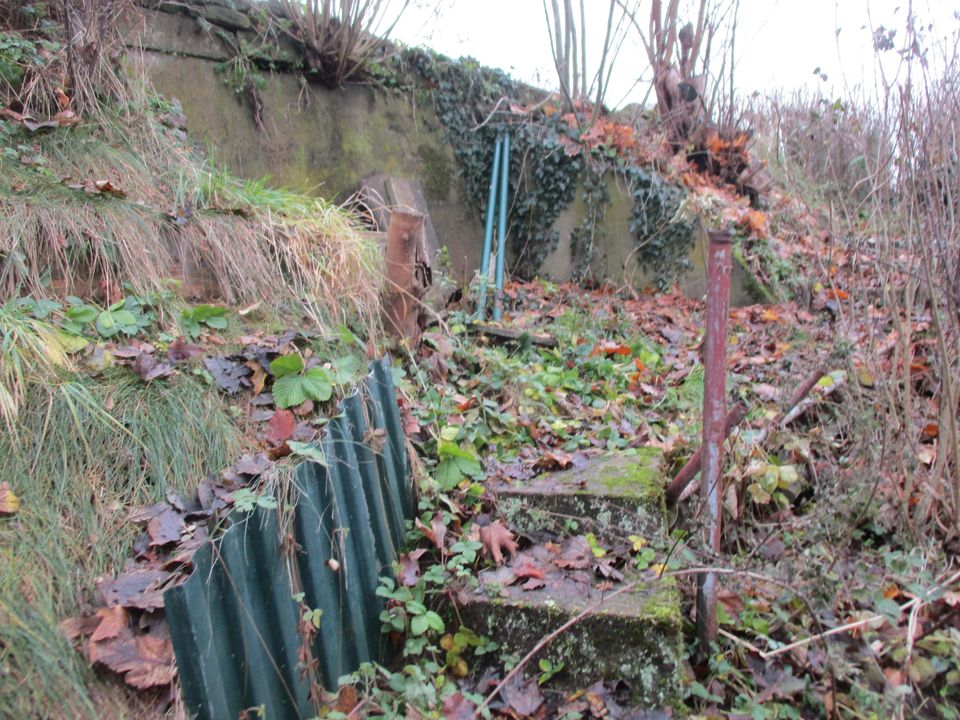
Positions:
{"x": 584, "y": 524}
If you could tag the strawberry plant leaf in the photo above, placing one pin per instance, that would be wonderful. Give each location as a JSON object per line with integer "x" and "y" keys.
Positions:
{"x": 318, "y": 384}
{"x": 286, "y": 365}
{"x": 344, "y": 369}
{"x": 288, "y": 391}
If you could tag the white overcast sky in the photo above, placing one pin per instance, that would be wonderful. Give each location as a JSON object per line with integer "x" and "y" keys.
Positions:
{"x": 779, "y": 42}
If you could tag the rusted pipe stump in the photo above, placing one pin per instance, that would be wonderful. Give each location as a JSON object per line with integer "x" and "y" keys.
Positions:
{"x": 407, "y": 276}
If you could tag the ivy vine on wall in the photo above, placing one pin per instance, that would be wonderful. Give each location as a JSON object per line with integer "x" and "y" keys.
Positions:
{"x": 663, "y": 241}
{"x": 552, "y": 156}
{"x": 543, "y": 178}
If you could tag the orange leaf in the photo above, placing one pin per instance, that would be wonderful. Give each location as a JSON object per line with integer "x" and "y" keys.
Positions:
{"x": 609, "y": 347}
{"x": 891, "y": 591}
{"x": 464, "y": 403}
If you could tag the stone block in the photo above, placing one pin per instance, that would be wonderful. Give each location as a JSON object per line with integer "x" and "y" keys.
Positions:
{"x": 634, "y": 636}
{"x": 614, "y": 495}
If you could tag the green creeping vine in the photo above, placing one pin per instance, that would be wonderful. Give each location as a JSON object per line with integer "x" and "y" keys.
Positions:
{"x": 472, "y": 103}
{"x": 543, "y": 178}
{"x": 663, "y": 242}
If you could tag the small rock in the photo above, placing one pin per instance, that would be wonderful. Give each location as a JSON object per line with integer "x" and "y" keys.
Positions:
{"x": 226, "y": 18}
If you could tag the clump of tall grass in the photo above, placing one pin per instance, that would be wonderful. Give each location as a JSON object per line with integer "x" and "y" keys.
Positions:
{"x": 30, "y": 350}
{"x": 87, "y": 451}
{"x": 329, "y": 264}
{"x": 179, "y": 218}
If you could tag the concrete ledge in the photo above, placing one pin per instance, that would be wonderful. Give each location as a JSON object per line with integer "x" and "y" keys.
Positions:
{"x": 614, "y": 495}
{"x": 634, "y": 636}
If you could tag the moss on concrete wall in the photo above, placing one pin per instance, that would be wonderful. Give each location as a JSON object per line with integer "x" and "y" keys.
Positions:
{"x": 328, "y": 141}
{"x": 313, "y": 139}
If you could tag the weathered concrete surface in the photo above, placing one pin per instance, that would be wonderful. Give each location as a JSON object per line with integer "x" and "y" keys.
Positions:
{"x": 327, "y": 141}
{"x": 632, "y": 631}
{"x": 614, "y": 495}
{"x": 317, "y": 140}
{"x": 634, "y": 636}
{"x": 616, "y": 257}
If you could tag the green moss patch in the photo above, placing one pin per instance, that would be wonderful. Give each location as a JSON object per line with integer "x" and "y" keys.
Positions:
{"x": 614, "y": 495}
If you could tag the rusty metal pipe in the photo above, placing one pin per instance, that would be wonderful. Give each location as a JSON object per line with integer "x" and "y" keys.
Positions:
{"x": 714, "y": 414}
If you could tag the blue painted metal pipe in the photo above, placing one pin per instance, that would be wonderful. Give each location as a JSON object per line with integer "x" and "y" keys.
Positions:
{"x": 488, "y": 231}
{"x": 502, "y": 241}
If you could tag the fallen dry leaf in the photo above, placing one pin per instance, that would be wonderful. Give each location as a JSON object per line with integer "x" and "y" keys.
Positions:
{"x": 9, "y": 502}
{"x": 346, "y": 699}
{"x": 436, "y": 533}
{"x": 497, "y": 539}
{"x": 75, "y": 627}
{"x": 457, "y": 707}
{"x": 410, "y": 567}
{"x": 137, "y": 587}
{"x": 145, "y": 661}
{"x": 281, "y": 427}
{"x": 523, "y": 697}
{"x": 167, "y": 527}
{"x": 113, "y": 620}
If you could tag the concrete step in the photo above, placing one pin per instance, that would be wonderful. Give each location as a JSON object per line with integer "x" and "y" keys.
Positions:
{"x": 632, "y": 630}
{"x": 613, "y": 495}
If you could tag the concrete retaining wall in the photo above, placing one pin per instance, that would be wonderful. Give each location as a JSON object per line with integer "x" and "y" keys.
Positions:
{"x": 327, "y": 141}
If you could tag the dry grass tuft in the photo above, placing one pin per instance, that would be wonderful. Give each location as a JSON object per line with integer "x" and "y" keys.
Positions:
{"x": 177, "y": 218}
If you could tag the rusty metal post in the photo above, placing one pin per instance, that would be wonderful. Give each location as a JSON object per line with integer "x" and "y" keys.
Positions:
{"x": 714, "y": 413}
{"x": 407, "y": 276}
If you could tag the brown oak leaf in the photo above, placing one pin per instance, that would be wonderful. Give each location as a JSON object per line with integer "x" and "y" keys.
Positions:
{"x": 497, "y": 539}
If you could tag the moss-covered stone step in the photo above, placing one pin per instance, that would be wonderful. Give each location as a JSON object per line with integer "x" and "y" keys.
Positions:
{"x": 633, "y": 636}
{"x": 614, "y": 495}
{"x": 632, "y": 630}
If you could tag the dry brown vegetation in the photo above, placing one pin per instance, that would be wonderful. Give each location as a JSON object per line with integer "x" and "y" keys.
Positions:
{"x": 871, "y": 202}
{"x": 100, "y": 189}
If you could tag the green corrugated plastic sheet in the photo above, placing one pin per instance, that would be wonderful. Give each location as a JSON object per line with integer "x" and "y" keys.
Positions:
{"x": 234, "y": 621}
